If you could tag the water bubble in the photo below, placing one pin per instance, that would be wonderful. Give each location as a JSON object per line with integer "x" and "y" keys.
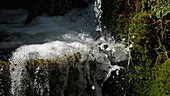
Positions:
{"x": 117, "y": 72}
{"x": 93, "y": 87}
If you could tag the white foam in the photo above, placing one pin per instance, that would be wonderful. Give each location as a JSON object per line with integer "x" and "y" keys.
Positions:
{"x": 89, "y": 49}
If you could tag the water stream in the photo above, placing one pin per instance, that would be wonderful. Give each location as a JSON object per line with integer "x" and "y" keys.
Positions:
{"x": 47, "y": 38}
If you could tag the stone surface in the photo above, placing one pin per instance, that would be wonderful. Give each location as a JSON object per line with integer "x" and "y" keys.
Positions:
{"x": 54, "y": 7}
{"x": 4, "y": 79}
{"x": 65, "y": 76}
{"x": 37, "y": 7}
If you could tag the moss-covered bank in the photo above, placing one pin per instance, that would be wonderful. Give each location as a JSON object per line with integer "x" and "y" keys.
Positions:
{"x": 146, "y": 26}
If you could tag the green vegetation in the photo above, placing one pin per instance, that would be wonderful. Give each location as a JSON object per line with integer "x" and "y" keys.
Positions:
{"x": 60, "y": 61}
{"x": 32, "y": 64}
{"x": 146, "y": 25}
{"x": 4, "y": 65}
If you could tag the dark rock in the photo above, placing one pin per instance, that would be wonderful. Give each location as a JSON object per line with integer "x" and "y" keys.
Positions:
{"x": 5, "y": 79}
{"x": 54, "y": 7}
{"x": 64, "y": 77}
{"x": 37, "y": 7}
{"x": 26, "y": 4}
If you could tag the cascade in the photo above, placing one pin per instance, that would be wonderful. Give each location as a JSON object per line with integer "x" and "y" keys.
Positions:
{"x": 66, "y": 55}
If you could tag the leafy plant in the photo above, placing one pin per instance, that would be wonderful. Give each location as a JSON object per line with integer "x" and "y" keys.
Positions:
{"x": 145, "y": 26}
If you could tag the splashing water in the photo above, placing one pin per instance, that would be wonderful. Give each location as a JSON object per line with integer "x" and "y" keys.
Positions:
{"x": 61, "y": 35}
{"x": 98, "y": 13}
{"x": 50, "y": 51}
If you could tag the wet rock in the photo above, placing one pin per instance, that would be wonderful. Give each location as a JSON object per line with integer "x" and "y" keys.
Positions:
{"x": 63, "y": 76}
{"x": 54, "y": 7}
{"x": 5, "y": 79}
{"x": 51, "y": 7}
{"x": 26, "y": 4}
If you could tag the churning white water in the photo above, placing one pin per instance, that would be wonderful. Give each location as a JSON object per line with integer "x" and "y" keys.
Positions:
{"x": 48, "y": 37}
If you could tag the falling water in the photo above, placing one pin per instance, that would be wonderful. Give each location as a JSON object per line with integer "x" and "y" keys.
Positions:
{"x": 78, "y": 31}
{"x": 98, "y": 14}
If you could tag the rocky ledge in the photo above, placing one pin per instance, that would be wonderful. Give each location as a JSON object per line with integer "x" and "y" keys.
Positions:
{"x": 63, "y": 76}
{"x": 51, "y": 7}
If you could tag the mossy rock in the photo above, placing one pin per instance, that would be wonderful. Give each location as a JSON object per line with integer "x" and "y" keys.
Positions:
{"x": 64, "y": 75}
{"x": 5, "y": 78}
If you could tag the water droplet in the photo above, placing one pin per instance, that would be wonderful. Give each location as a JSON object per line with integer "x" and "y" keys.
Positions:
{"x": 93, "y": 87}
{"x": 117, "y": 72}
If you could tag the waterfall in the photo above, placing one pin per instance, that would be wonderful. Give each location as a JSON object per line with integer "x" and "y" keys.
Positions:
{"x": 98, "y": 13}
{"x": 74, "y": 41}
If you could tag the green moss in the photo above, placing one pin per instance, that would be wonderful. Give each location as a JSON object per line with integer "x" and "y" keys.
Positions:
{"x": 145, "y": 24}
{"x": 4, "y": 65}
{"x": 71, "y": 60}
{"x": 147, "y": 27}
{"x": 65, "y": 60}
